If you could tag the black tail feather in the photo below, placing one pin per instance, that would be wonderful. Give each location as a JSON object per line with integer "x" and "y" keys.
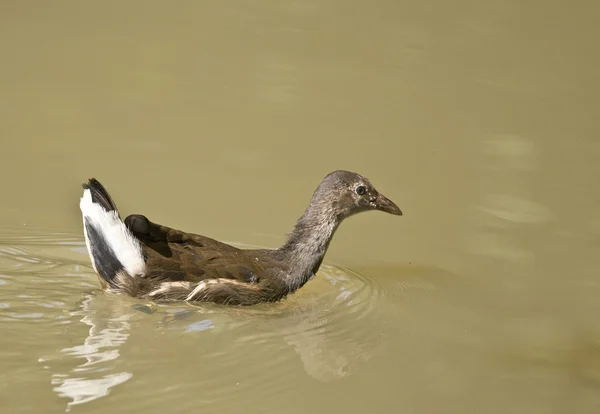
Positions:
{"x": 105, "y": 261}
{"x": 100, "y": 195}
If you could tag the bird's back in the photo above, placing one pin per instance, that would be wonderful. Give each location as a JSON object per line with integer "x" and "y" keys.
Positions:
{"x": 173, "y": 255}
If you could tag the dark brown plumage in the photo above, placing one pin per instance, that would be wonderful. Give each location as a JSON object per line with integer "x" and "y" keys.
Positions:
{"x": 153, "y": 261}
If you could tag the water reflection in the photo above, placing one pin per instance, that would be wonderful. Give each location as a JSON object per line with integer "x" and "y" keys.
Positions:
{"x": 328, "y": 324}
{"x": 329, "y": 347}
{"x": 325, "y": 357}
{"x": 99, "y": 350}
{"x": 82, "y": 390}
{"x": 41, "y": 270}
{"x": 319, "y": 323}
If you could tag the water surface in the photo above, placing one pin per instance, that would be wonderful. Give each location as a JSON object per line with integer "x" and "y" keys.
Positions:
{"x": 478, "y": 119}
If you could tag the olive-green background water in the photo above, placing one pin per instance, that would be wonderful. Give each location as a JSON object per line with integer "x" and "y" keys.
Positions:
{"x": 479, "y": 119}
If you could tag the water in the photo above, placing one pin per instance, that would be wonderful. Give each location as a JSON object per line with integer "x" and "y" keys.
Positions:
{"x": 82, "y": 338}
{"x": 477, "y": 119}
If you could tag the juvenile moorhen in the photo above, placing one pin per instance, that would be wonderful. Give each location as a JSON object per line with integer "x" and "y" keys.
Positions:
{"x": 147, "y": 260}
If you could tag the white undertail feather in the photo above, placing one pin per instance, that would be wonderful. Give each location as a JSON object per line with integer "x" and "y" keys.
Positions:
{"x": 122, "y": 242}
{"x": 199, "y": 288}
{"x": 167, "y": 287}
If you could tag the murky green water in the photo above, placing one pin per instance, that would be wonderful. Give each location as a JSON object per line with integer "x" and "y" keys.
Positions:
{"x": 478, "y": 119}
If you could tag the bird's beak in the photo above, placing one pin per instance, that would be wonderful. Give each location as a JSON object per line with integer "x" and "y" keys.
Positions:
{"x": 385, "y": 204}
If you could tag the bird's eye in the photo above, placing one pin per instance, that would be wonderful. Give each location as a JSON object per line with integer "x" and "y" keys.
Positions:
{"x": 360, "y": 190}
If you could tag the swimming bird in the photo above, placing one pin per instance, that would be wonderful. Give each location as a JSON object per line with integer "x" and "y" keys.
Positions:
{"x": 147, "y": 260}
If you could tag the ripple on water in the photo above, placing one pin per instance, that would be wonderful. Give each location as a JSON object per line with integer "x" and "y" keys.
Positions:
{"x": 42, "y": 275}
{"x": 329, "y": 328}
{"x": 329, "y": 324}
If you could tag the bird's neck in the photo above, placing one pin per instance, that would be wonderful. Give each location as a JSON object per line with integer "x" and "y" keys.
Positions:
{"x": 307, "y": 244}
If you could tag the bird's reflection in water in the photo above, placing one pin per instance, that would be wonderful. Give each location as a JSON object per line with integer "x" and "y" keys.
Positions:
{"x": 330, "y": 325}
{"x": 328, "y": 349}
{"x": 330, "y": 328}
{"x": 325, "y": 357}
{"x": 332, "y": 333}
{"x": 99, "y": 351}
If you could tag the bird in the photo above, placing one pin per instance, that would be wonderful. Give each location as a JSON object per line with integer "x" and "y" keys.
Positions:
{"x": 149, "y": 261}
